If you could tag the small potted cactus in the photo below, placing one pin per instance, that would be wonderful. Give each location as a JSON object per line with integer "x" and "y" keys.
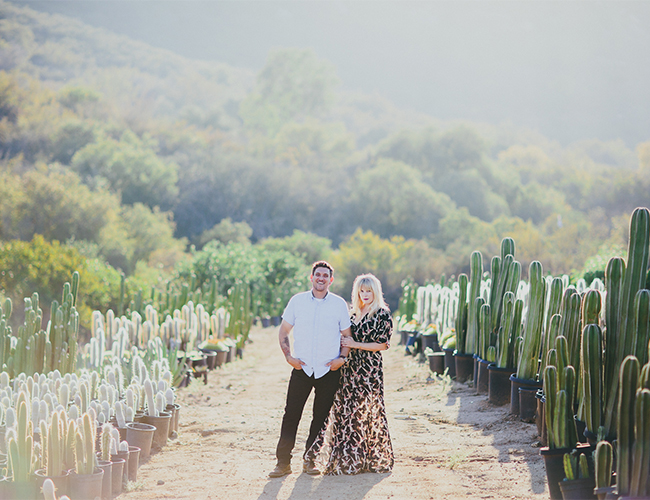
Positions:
{"x": 86, "y": 478}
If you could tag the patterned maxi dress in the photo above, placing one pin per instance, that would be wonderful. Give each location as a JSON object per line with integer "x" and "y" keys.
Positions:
{"x": 356, "y": 437}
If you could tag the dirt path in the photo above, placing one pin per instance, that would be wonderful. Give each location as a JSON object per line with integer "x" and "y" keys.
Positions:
{"x": 448, "y": 442}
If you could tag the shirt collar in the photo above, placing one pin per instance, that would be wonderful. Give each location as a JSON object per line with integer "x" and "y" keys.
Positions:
{"x": 314, "y": 298}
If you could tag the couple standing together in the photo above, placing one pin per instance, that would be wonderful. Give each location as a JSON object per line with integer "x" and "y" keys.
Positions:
{"x": 336, "y": 352}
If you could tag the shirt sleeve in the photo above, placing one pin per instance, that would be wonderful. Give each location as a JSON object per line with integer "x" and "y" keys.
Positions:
{"x": 344, "y": 321}
{"x": 289, "y": 314}
{"x": 382, "y": 327}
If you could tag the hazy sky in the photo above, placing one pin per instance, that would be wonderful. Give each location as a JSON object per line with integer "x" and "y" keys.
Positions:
{"x": 570, "y": 69}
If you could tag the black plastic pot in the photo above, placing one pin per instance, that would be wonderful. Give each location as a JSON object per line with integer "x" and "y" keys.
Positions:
{"x": 579, "y": 489}
{"x": 437, "y": 362}
{"x": 527, "y": 404}
{"x": 464, "y": 366}
{"x": 450, "y": 362}
{"x": 498, "y": 384}
{"x": 515, "y": 384}
{"x": 554, "y": 464}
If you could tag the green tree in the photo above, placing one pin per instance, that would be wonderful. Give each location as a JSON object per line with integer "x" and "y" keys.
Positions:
{"x": 293, "y": 84}
{"x": 227, "y": 231}
{"x": 131, "y": 168}
{"x": 391, "y": 199}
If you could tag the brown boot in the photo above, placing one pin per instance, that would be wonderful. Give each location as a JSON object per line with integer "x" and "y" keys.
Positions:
{"x": 308, "y": 467}
{"x": 280, "y": 470}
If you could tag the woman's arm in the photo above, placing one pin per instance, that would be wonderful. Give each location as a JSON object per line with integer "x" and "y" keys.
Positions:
{"x": 365, "y": 346}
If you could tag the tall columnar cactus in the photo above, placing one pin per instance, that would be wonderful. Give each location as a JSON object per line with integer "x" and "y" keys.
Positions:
{"x": 592, "y": 376}
{"x": 603, "y": 464}
{"x": 633, "y": 280}
{"x": 639, "y": 482}
{"x": 21, "y": 459}
{"x": 105, "y": 443}
{"x": 570, "y": 325}
{"x": 475, "y": 277}
{"x": 642, "y": 325}
{"x": 56, "y": 444}
{"x": 532, "y": 338}
{"x": 628, "y": 383}
{"x": 550, "y": 391}
{"x": 85, "y": 457}
{"x": 461, "y": 314}
{"x": 485, "y": 330}
{"x": 553, "y": 308}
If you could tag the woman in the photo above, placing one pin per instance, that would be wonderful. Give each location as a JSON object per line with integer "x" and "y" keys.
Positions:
{"x": 356, "y": 438}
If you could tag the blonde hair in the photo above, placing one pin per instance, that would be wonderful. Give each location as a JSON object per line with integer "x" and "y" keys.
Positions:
{"x": 372, "y": 282}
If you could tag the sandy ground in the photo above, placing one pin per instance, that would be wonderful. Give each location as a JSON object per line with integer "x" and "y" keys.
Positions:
{"x": 448, "y": 441}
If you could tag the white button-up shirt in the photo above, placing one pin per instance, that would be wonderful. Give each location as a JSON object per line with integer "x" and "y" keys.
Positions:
{"x": 317, "y": 326}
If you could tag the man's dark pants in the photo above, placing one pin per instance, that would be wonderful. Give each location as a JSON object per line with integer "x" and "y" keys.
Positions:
{"x": 300, "y": 386}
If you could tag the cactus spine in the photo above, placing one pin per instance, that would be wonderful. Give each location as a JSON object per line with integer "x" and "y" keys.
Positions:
{"x": 641, "y": 447}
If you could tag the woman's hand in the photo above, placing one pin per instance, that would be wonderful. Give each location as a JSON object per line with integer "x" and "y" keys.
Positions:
{"x": 348, "y": 342}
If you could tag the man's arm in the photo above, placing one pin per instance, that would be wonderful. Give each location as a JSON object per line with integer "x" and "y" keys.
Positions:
{"x": 337, "y": 363}
{"x": 285, "y": 345}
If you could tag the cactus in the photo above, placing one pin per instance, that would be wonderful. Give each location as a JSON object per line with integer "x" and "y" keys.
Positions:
{"x": 641, "y": 450}
{"x": 529, "y": 357}
{"x": 461, "y": 314}
{"x": 641, "y": 325}
{"x": 106, "y": 440}
{"x": 603, "y": 464}
{"x": 628, "y": 383}
{"x": 632, "y": 281}
{"x": 575, "y": 467}
{"x": 21, "y": 445}
{"x": 85, "y": 446}
{"x": 485, "y": 329}
{"x": 592, "y": 376}
{"x": 151, "y": 405}
{"x": 475, "y": 276}
{"x": 550, "y": 390}
{"x": 555, "y": 293}
{"x": 54, "y": 444}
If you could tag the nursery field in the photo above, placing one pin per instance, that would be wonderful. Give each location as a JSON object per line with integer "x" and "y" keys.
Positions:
{"x": 448, "y": 441}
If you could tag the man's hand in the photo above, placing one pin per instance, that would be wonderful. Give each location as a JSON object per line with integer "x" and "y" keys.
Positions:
{"x": 336, "y": 363}
{"x": 295, "y": 362}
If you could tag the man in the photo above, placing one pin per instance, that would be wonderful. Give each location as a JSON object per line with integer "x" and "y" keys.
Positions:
{"x": 318, "y": 318}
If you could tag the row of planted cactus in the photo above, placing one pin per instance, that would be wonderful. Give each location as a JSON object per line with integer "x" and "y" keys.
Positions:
{"x": 588, "y": 346}
{"x": 34, "y": 349}
{"x": 50, "y": 421}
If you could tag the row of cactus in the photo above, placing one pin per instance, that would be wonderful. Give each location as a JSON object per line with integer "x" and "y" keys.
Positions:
{"x": 35, "y": 350}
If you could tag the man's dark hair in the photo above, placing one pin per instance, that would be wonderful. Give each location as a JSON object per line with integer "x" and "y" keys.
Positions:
{"x": 322, "y": 263}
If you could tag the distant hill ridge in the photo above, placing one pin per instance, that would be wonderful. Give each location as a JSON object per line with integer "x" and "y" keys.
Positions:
{"x": 61, "y": 51}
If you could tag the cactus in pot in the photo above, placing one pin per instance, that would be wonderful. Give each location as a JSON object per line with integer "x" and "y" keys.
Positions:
{"x": 603, "y": 464}
{"x": 20, "y": 445}
{"x": 639, "y": 481}
{"x": 633, "y": 279}
{"x": 628, "y": 383}
{"x": 85, "y": 457}
{"x": 54, "y": 445}
{"x": 461, "y": 314}
{"x": 529, "y": 356}
{"x": 106, "y": 442}
{"x": 151, "y": 404}
{"x": 592, "y": 377}
{"x": 475, "y": 276}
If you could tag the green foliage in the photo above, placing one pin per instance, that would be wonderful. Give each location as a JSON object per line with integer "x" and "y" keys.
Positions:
{"x": 294, "y": 83}
{"x": 44, "y": 267}
{"x": 131, "y": 167}
{"x": 226, "y": 231}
